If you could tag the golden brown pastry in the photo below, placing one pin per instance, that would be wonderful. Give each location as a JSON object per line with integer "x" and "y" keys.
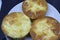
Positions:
{"x": 59, "y": 32}
{"x": 35, "y": 8}
{"x": 16, "y": 25}
{"x": 46, "y": 28}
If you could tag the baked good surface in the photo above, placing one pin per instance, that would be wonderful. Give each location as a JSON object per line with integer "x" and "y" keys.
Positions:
{"x": 46, "y": 28}
{"x": 16, "y": 25}
{"x": 59, "y": 32}
{"x": 35, "y": 8}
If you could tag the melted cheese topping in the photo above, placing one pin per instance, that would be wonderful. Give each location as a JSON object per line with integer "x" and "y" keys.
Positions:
{"x": 43, "y": 27}
{"x": 19, "y": 27}
{"x": 35, "y": 7}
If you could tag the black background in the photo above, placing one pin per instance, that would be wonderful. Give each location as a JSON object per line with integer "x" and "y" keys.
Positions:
{"x": 8, "y": 4}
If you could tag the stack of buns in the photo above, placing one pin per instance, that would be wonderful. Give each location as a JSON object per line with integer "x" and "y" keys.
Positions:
{"x": 19, "y": 24}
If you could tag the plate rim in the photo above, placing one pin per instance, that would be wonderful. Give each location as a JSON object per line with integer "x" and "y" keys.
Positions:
{"x": 47, "y": 3}
{"x": 13, "y": 10}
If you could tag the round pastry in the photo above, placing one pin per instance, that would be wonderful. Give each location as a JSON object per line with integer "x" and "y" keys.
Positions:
{"x": 35, "y": 8}
{"x": 59, "y": 32}
{"x": 46, "y": 28}
{"x": 16, "y": 25}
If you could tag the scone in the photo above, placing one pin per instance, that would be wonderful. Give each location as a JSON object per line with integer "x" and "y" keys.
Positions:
{"x": 59, "y": 32}
{"x": 35, "y": 8}
{"x": 16, "y": 25}
{"x": 46, "y": 28}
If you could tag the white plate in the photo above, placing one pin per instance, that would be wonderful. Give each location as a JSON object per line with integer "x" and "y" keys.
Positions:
{"x": 0, "y": 4}
{"x": 52, "y": 12}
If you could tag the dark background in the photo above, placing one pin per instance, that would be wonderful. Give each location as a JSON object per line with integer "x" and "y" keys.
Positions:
{"x": 8, "y": 4}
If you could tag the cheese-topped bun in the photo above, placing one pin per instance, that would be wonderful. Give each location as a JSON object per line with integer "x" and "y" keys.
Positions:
{"x": 16, "y": 25}
{"x": 46, "y": 28}
{"x": 59, "y": 32}
{"x": 35, "y": 8}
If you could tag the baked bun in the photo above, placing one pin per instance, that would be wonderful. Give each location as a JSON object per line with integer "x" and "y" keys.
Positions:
{"x": 35, "y": 8}
{"x": 59, "y": 32}
{"x": 16, "y": 25}
{"x": 46, "y": 28}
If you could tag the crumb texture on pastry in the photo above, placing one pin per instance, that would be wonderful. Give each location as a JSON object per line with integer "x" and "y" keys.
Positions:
{"x": 45, "y": 29}
{"x": 16, "y": 25}
{"x": 35, "y": 8}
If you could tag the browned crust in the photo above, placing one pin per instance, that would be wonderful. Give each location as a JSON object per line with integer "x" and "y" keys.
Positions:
{"x": 37, "y": 13}
{"x": 5, "y": 19}
{"x": 50, "y": 20}
{"x": 59, "y": 32}
{"x": 11, "y": 19}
